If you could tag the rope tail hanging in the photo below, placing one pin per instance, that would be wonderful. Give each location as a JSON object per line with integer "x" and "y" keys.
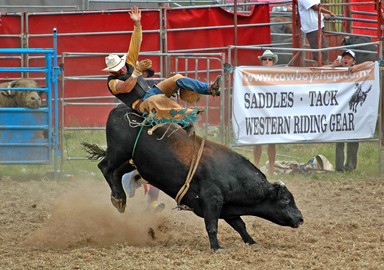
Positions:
{"x": 194, "y": 163}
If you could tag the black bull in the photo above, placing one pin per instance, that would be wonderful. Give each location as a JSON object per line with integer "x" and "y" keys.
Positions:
{"x": 225, "y": 185}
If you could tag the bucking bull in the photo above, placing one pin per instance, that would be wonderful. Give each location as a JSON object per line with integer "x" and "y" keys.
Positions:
{"x": 20, "y": 98}
{"x": 223, "y": 184}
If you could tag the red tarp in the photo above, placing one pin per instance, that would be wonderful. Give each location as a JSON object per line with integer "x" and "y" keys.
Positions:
{"x": 363, "y": 27}
{"x": 219, "y": 34}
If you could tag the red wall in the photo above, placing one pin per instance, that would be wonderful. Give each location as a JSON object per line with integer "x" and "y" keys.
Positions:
{"x": 363, "y": 26}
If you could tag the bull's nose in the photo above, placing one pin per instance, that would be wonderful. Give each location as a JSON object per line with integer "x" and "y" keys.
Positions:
{"x": 298, "y": 223}
{"x": 301, "y": 221}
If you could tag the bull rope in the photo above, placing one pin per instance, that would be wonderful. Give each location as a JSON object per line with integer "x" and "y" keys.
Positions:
{"x": 146, "y": 122}
{"x": 192, "y": 169}
{"x": 134, "y": 124}
{"x": 149, "y": 122}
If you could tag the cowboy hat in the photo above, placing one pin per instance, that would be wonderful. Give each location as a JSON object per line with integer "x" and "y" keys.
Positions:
{"x": 268, "y": 53}
{"x": 114, "y": 62}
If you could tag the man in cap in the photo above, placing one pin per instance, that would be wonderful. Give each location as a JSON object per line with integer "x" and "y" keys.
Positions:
{"x": 348, "y": 59}
{"x": 308, "y": 11}
{"x": 267, "y": 59}
{"x": 127, "y": 83}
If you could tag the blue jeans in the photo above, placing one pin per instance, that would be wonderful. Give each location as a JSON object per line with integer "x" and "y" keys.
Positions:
{"x": 183, "y": 83}
{"x": 193, "y": 85}
{"x": 153, "y": 91}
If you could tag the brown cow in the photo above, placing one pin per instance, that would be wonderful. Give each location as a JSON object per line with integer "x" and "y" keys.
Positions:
{"x": 20, "y": 98}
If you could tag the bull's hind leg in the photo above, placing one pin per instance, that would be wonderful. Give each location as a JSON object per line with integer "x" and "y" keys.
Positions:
{"x": 238, "y": 224}
{"x": 103, "y": 167}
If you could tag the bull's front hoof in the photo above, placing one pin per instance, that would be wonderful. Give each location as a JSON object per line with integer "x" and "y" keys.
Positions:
{"x": 217, "y": 249}
{"x": 255, "y": 246}
{"x": 119, "y": 204}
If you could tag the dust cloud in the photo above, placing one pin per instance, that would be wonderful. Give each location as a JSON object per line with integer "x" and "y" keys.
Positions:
{"x": 84, "y": 215}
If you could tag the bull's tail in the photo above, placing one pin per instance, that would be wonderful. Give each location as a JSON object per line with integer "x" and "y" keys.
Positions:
{"x": 95, "y": 152}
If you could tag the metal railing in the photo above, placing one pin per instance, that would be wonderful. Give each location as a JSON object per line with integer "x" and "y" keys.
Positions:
{"x": 23, "y": 147}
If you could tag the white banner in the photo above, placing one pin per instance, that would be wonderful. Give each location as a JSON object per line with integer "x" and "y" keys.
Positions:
{"x": 293, "y": 104}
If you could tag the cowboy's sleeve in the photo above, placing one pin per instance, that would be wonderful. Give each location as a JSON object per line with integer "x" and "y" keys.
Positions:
{"x": 112, "y": 86}
{"x": 134, "y": 46}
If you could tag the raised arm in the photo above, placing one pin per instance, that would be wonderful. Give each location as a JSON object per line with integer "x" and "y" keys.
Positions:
{"x": 133, "y": 52}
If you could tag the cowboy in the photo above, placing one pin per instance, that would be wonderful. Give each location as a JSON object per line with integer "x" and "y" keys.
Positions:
{"x": 127, "y": 83}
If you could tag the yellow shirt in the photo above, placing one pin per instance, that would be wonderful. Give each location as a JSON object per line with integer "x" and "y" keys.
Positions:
{"x": 134, "y": 46}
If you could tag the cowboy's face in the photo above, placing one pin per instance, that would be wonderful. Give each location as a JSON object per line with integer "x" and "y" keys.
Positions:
{"x": 121, "y": 71}
{"x": 347, "y": 60}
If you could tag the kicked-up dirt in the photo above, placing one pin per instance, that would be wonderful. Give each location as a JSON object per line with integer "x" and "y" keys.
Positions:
{"x": 71, "y": 224}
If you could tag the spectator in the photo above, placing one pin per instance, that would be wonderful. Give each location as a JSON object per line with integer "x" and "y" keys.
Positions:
{"x": 348, "y": 59}
{"x": 308, "y": 12}
{"x": 268, "y": 59}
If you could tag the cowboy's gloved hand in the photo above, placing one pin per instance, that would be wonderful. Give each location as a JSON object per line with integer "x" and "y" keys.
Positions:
{"x": 144, "y": 64}
{"x": 141, "y": 66}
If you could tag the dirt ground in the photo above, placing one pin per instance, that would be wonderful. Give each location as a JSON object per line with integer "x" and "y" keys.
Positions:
{"x": 71, "y": 224}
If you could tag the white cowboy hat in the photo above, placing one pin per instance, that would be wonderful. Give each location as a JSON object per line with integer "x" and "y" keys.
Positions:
{"x": 268, "y": 53}
{"x": 114, "y": 62}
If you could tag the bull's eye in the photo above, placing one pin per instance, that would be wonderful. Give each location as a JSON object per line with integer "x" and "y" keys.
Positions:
{"x": 285, "y": 201}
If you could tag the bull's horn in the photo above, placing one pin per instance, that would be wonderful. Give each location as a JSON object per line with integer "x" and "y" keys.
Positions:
{"x": 280, "y": 183}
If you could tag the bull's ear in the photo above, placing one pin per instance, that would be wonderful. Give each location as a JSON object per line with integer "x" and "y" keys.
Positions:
{"x": 10, "y": 93}
{"x": 13, "y": 84}
{"x": 275, "y": 190}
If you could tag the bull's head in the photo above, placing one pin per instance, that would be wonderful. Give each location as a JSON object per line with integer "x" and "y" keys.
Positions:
{"x": 282, "y": 206}
{"x": 29, "y": 99}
